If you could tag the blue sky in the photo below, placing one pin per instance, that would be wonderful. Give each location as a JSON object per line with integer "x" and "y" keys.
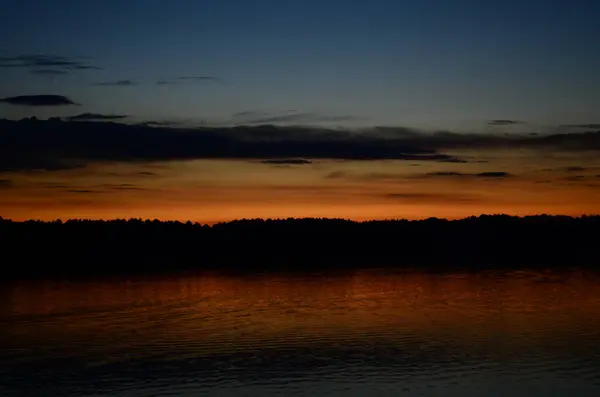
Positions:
{"x": 431, "y": 63}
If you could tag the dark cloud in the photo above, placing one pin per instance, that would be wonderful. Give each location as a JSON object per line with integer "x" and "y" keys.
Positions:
{"x": 146, "y": 173}
{"x": 41, "y": 61}
{"x": 161, "y": 123}
{"x": 504, "y": 122}
{"x": 53, "y": 145}
{"x": 575, "y": 169}
{"x": 129, "y": 188}
{"x": 56, "y": 186}
{"x": 87, "y": 67}
{"x": 118, "y": 83}
{"x": 418, "y": 197}
{"x": 571, "y": 142}
{"x": 50, "y": 72}
{"x": 121, "y": 186}
{"x": 574, "y": 178}
{"x": 376, "y": 176}
{"x": 499, "y": 174}
{"x": 102, "y": 188}
{"x": 5, "y": 183}
{"x": 82, "y": 191}
{"x": 446, "y": 173}
{"x": 287, "y": 161}
{"x": 38, "y": 100}
{"x": 157, "y": 123}
{"x": 96, "y": 117}
{"x": 382, "y": 176}
{"x": 443, "y": 140}
{"x": 493, "y": 174}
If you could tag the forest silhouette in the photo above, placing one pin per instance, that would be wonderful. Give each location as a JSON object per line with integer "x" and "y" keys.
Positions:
{"x": 96, "y": 247}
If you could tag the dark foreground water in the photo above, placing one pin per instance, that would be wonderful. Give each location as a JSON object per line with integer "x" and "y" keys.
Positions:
{"x": 360, "y": 334}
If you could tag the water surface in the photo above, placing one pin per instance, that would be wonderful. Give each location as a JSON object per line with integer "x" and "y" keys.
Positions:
{"x": 353, "y": 334}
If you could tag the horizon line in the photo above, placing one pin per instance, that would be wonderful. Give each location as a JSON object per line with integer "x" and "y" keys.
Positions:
{"x": 280, "y": 219}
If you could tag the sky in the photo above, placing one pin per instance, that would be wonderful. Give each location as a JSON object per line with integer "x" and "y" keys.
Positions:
{"x": 417, "y": 68}
{"x": 415, "y": 63}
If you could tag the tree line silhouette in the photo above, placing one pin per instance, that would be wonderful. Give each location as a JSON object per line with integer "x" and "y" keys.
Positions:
{"x": 90, "y": 247}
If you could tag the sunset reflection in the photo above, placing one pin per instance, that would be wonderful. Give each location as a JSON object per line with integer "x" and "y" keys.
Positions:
{"x": 216, "y": 313}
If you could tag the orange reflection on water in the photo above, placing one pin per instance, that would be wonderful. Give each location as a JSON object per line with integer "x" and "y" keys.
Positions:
{"x": 234, "y": 312}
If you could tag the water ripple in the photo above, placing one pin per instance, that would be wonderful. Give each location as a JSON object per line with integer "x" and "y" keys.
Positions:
{"x": 368, "y": 333}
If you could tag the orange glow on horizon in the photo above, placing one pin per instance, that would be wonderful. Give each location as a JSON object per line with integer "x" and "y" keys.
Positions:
{"x": 212, "y": 191}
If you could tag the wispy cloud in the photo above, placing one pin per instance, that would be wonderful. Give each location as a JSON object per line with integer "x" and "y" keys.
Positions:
{"x": 82, "y": 191}
{"x": 38, "y": 100}
{"x": 253, "y": 117}
{"x": 101, "y": 188}
{"x": 495, "y": 174}
{"x": 391, "y": 177}
{"x": 574, "y": 178}
{"x": 50, "y": 72}
{"x": 118, "y": 83}
{"x": 34, "y": 62}
{"x": 249, "y": 113}
{"x": 369, "y": 176}
{"x": 5, "y": 183}
{"x": 432, "y": 198}
{"x": 120, "y": 186}
{"x": 164, "y": 123}
{"x": 96, "y": 117}
{"x": 56, "y": 186}
{"x": 188, "y": 79}
{"x": 127, "y": 187}
{"x": 501, "y": 122}
{"x": 198, "y": 78}
{"x": 575, "y": 169}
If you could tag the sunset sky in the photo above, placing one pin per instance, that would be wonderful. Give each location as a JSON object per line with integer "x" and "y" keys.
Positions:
{"x": 370, "y": 109}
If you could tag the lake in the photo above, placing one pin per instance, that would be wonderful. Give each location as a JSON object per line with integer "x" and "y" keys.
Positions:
{"x": 362, "y": 333}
